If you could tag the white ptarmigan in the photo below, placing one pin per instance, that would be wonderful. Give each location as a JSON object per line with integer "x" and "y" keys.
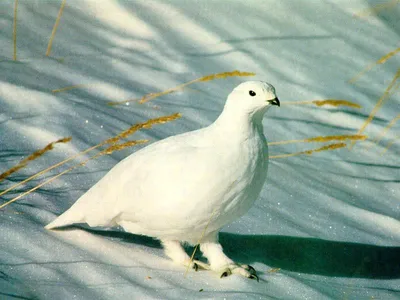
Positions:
{"x": 172, "y": 189}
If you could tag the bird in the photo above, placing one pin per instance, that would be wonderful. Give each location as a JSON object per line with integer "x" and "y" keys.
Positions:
{"x": 185, "y": 188}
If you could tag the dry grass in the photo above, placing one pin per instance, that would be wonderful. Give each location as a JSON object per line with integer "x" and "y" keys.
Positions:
{"x": 104, "y": 152}
{"x": 107, "y": 151}
{"x": 331, "y": 102}
{"x": 199, "y": 241}
{"x": 381, "y": 60}
{"x": 390, "y": 144}
{"x": 376, "y": 8}
{"x": 321, "y": 139}
{"x": 71, "y": 87}
{"x": 276, "y": 270}
{"x": 385, "y": 131}
{"x": 309, "y": 152}
{"x": 148, "y": 124}
{"x": 113, "y": 147}
{"x": 379, "y": 104}
{"x": 33, "y": 156}
{"x": 122, "y": 146}
{"x": 152, "y": 96}
{"x": 53, "y": 33}
{"x": 15, "y": 30}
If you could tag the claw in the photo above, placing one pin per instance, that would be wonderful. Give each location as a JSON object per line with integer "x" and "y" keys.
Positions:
{"x": 201, "y": 265}
{"x": 226, "y": 273}
{"x": 249, "y": 268}
{"x": 254, "y": 276}
{"x": 252, "y": 270}
{"x": 243, "y": 270}
{"x": 195, "y": 267}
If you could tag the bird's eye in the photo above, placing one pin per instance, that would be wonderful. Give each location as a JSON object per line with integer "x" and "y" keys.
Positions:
{"x": 252, "y": 93}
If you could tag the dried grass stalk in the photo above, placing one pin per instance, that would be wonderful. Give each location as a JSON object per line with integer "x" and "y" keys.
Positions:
{"x": 322, "y": 139}
{"x": 122, "y": 146}
{"x": 67, "y": 88}
{"x": 153, "y": 121}
{"x": 376, "y": 8}
{"x": 109, "y": 150}
{"x": 15, "y": 30}
{"x": 151, "y": 96}
{"x": 32, "y": 157}
{"x": 332, "y": 102}
{"x": 199, "y": 241}
{"x": 45, "y": 182}
{"x": 310, "y": 152}
{"x": 381, "y": 60}
{"x": 390, "y": 144}
{"x": 53, "y": 33}
{"x": 385, "y": 131}
{"x": 274, "y": 270}
{"x": 378, "y": 105}
{"x": 148, "y": 124}
{"x": 224, "y": 75}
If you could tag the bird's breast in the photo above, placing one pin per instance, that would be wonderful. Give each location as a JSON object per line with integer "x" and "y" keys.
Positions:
{"x": 246, "y": 165}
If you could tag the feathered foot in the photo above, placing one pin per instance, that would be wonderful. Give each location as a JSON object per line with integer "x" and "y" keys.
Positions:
{"x": 244, "y": 270}
{"x": 223, "y": 265}
{"x": 175, "y": 251}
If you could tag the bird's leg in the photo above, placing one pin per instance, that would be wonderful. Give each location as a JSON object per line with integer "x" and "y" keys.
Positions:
{"x": 222, "y": 264}
{"x": 174, "y": 250}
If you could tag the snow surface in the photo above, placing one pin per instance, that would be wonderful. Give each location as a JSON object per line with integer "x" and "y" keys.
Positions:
{"x": 329, "y": 221}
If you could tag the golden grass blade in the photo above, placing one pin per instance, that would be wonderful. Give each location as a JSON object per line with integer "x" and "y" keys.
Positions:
{"x": 67, "y": 88}
{"x": 376, "y": 8}
{"x": 122, "y": 146}
{"x": 32, "y": 157}
{"x": 329, "y": 138}
{"x": 151, "y": 96}
{"x": 321, "y": 139}
{"x": 53, "y": 33}
{"x": 136, "y": 127}
{"x": 15, "y": 30}
{"x": 112, "y": 141}
{"x": 109, "y": 151}
{"x": 332, "y": 102}
{"x": 41, "y": 184}
{"x": 384, "y": 131}
{"x": 390, "y": 144}
{"x": 48, "y": 181}
{"x": 394, "y": 90}
{"x": 309, "y": 152}
{"x": 274, "y": 270}
{"x": 199, "y": 241}
{"x": 382, "y": 60}
{"x": 48, "y": 169}
{"x": 378, "y": 105}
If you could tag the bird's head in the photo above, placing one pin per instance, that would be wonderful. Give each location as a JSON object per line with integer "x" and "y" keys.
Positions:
{"x": 252, "y": 97}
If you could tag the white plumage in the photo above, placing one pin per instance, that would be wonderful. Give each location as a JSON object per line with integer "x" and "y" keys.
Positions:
{"x": 170, "y": 189}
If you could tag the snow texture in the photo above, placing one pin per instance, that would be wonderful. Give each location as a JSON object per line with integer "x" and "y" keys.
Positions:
{"x": 329, "y": 221}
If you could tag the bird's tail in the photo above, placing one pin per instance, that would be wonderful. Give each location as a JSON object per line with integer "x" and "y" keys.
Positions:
{"x": 71, "y": 216}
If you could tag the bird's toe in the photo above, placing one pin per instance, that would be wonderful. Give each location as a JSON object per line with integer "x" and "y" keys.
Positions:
{"x": 198, "y": 265}
{"x": 243, "y": 270}
{"x": 249, "y": 268}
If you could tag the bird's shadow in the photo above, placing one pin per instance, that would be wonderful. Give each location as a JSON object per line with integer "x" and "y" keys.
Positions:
{"x": 296, "y": 254}
{"x": 314, "y": 256}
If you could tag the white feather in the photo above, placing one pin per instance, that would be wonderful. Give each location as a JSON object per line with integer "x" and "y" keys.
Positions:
{"x": 170, "y": 189}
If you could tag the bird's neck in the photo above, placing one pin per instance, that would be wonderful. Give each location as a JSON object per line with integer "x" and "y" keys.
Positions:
{"x": 233, "y": 123}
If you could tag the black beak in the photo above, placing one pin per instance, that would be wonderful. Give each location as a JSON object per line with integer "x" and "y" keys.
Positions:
{"x": 274, "y": 102}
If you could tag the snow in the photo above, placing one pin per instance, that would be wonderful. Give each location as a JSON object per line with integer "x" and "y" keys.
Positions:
{"x": 329, "y": 221}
